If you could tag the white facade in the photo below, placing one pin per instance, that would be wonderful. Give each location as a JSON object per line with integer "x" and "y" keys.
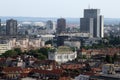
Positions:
{"x": 77, "y": 34}
{"x": 62, "y": 56}
{"x": 47, "y": 37}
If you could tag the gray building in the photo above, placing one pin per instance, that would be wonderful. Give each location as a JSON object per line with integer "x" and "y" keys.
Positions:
{"x": 87, "y": 25}
{"x": 0, "y": 28}
{"x": 11, "y": 27}
{"x": 61, "y": 25}
{"x": 92, "y": 22}
{"x": 50, "y": 25}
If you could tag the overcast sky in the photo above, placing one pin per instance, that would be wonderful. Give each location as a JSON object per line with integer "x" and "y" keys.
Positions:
{"x": 58, "y": 8}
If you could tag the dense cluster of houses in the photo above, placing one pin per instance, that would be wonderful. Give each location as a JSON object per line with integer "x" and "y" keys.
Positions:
{"x": 26, "y": 67}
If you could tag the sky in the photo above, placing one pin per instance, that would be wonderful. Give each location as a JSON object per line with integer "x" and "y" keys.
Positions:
{"x": 58, "y": 8}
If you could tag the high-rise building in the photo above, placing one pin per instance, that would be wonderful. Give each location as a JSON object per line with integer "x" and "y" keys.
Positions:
{"x": 50, "y": 25}
{"x": 61, "y": 25}
{"x": 0, "y": 27}
{"x": 92, "y": 22}
{"x": 101, "y": 26}
{"x": 11, "y": 27}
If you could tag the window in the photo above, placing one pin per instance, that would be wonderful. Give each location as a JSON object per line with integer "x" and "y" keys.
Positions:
{"x": 59, "y": 57}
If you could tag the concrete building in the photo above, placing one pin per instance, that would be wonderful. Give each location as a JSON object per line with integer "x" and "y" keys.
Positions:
{"x": 4, "y": 46}
{"x": 61, "y": 25}
{"x": 86, "y": 25}
{"x": 82, "y": 77}
{"x": 101, "y": 26}
{"x": 0, "y": 28}
{"x": 11, "y": 27}
{"x": 62, "y": 54}
{"x": 108, "y": 69}
{"x": 23, "y": 43}
{"x": 35, "y": 43}
{"x": 47, "y": 37}
{"x": 92, "y": 22}
{"x": 75, "y": 44}
{"x": 27, "y": 43}
{"x": 85, "y": 34}
{"x": 50, "y": 25}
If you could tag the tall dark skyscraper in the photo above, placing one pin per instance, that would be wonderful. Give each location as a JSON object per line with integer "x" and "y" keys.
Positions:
{"x": 92, "y": 22}
{"x": 11, "y": 27}
{"x": 61, "y": 25}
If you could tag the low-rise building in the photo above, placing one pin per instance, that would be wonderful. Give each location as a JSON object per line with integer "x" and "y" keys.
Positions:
{"x": 4, "y": 46}
{"x": 75, "y": 44}
{"x": 108, "y": 69}
{"x": 23, "y": 43}
{"x": 82, "y": 77}
{"x": 62, "y": 54}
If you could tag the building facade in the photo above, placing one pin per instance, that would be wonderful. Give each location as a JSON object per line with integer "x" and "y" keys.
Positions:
{"x": 62, "y": 54}
{"x": 11, "y": 27}
{"x": 5, "y": 46}
{"x": 61, "y": 25}
{"x": 92, "y": 22}
{"x": 50, "y": 25}
{"x": 108, "y": 69}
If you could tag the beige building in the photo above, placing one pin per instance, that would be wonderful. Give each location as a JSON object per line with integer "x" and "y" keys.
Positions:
{"x": 5, "y": 45}
{"x": 27, "y": 44}
{"x": 4, "y": 48}
{"x": 23, "y": 43}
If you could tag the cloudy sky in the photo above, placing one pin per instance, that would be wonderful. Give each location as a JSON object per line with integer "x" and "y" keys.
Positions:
{"x": 58, "y": 8}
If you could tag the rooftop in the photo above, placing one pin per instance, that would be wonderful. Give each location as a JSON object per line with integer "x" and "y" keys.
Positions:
{"x": 64, "y": 49}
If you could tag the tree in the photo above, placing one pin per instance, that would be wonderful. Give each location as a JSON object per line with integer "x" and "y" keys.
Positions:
{"x": 9, "y": 53}
{"x": 44, "y": 51}
{"x": 115, "y": 57}
{"x": 84, "y": 57}
{"x": 108, "y": 59}
{"x": 18, "y": 51}
{"x": 48, "y": 42}
{"x": 41, "y": 56}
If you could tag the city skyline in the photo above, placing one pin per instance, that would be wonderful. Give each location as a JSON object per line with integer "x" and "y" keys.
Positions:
{"x": 57, "y": 8}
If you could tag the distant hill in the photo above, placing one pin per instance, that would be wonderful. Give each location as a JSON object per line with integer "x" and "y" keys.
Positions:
{"x": 69, "y": 20}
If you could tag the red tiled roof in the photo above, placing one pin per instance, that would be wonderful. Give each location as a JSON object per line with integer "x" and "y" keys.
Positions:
{"x": 64, "y": 78}
{"x": 110, "y": 51}
{"x": 72, "y": 66}
{"x": 12, "y": 69}
{"x": 57, "y": 71}
{"x": 2, "y": 59}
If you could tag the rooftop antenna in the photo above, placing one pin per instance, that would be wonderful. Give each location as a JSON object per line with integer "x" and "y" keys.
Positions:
{"x": 89, "y": 6}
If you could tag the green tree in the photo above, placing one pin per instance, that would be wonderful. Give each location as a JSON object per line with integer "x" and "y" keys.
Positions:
{"x": 18, "y": 51}
{"x": 115, "y": 57}
{"x": 9, "y": 53}
{"x": 48, "y": 42}
{"x": 108, "y": 59}
{"x": 44, "y": 51}
{"x": 41, "y": 56}
{"x": 84, "y": 57}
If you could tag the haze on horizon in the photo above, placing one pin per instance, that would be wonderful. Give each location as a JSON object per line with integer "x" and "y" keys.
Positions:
{"x": 58, "y": 8}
